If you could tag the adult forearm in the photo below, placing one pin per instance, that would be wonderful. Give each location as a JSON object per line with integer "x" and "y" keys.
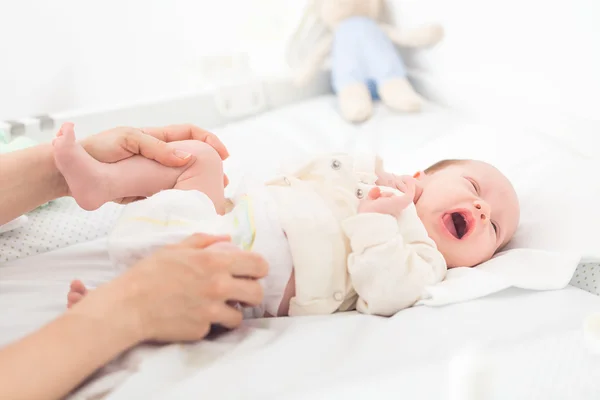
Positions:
{"x": 54, "y": 360}
{"x": 28, "y": 179}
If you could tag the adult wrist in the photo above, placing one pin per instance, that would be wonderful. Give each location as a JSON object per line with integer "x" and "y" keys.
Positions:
{"x": 112, "y": 307}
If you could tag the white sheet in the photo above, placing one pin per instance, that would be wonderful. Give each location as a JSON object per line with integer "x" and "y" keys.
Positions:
{"x": 532, "y": 341}
{"x": 345, "y": 355}
{"x": 60, "y": 224}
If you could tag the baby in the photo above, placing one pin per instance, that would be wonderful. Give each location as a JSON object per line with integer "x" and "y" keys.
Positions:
{"x": 337, "y": 232}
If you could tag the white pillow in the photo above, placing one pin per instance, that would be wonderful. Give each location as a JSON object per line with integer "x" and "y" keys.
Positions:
{"x": 559, "y": 195}
{"x": 560, "y": 206}
{"x": 558, "y": 189}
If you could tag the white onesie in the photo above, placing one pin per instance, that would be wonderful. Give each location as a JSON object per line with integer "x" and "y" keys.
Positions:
{"x": 306, "y": 221}
{"x": 172, "y": 215}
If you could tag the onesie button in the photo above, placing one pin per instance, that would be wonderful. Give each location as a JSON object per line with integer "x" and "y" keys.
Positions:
{"x": 286, "y": 180}
{"x": 338, "y": 296}
{"x": 359, "y": 193}
{"x": 336, "y": 164}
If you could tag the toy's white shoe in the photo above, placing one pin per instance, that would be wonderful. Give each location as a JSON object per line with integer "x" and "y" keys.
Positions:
{"x": 398, "y": 94}
{"x": 356, "y": 104}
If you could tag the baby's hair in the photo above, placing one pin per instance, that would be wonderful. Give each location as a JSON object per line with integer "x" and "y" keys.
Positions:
{"x": 440, "y": 165}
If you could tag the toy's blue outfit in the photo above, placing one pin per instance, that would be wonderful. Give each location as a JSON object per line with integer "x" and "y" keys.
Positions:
{"x": 363, "y": 53}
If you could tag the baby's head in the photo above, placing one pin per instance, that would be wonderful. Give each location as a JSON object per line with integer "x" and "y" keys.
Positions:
{"x": 469, "y": 208}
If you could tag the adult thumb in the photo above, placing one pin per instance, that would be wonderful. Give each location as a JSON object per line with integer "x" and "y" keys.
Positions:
{"x": 157, "y": 150}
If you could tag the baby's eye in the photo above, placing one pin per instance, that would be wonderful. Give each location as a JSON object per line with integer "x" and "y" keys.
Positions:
{"x": 495, "y": 227}
{"x": 474, "y": 185}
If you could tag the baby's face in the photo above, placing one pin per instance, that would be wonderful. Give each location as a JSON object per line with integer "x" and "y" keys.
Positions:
{"x": 470, "y": 210}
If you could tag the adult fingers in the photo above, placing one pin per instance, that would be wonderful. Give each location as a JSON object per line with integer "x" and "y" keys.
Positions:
{"x": 202, "y": 240}
{"x": 174, "y": 133}
{"x": 155, "y": 149}
{"x": 243, "y": 290}
{"x": 236, "y": 262}
{"x": 223, "y": 314}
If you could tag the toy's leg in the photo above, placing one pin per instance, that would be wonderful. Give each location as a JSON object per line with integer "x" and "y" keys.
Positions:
{"x": 398, "y": 94}
{"x": 355, "y": 102}
{"x": 348, "y": 75}
{"x": 386, "y": 68}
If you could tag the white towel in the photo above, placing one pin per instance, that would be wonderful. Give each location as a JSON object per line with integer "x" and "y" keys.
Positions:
{"x": 520, "y": 268}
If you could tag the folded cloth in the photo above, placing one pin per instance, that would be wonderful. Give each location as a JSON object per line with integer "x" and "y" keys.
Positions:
{"x": 521, "y": 268}
{"x": 14, "y": 224}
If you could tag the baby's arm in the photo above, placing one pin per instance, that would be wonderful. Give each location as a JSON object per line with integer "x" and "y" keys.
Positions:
{"x": 93, "y": 183}
{"x": 392, "y": 260}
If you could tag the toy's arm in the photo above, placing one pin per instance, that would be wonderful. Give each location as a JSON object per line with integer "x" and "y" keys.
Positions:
{"x": 314, "y": 61}
{"x": 390, "y": 266}
{"x": 426, "y": 35}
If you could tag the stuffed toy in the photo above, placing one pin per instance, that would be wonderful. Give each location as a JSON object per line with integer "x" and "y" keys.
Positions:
{"x": 365, "y": 64}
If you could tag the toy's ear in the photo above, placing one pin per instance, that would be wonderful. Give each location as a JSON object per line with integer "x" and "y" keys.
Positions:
{"x": 310, "y": 30}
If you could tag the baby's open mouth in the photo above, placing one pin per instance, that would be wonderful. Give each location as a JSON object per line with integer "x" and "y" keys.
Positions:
{"x": 457, "y": 224}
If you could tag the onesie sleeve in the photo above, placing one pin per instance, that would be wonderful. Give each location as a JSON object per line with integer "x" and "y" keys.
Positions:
{"x": 167, "y": 217}
{"x": 391, "y": 261}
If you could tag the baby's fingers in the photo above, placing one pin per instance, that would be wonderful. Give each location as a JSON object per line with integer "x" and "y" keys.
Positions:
{"x": 401, "y": 202}
{"x": 374, "y": 193}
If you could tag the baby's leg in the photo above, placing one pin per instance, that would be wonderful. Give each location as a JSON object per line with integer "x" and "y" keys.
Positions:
{"x": 76, "y": 293}
{"x": 205, "y": 174}
{"x": 93, "y": 183}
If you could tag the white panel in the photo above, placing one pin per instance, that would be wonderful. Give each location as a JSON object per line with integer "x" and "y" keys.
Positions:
{"x": 525, "y": 53}
{"x": 65, "y": 54}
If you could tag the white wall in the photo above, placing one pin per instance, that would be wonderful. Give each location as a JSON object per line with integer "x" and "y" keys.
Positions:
{"x": 64, "y": 54}
{"x": 522, "y": 53}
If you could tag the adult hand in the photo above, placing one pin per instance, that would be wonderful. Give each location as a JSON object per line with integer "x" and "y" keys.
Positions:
{"x": 120, "y": 143}
{"x": 179, "y": 291}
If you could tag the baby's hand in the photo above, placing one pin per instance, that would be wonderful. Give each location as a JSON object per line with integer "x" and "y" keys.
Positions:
{"x": 404, "y": 183}
{"x": 384, "y": 203}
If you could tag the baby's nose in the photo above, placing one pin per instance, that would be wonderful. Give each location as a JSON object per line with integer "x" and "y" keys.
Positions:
{"x": 482, "y": 210}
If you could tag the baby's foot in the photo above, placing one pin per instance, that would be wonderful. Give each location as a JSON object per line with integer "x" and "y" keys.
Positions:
{"x": 76, "y": 293}
{"x": 84, "y": 174}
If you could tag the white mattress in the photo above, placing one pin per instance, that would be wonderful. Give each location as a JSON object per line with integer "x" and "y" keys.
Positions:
{"x": 534, "y": 337}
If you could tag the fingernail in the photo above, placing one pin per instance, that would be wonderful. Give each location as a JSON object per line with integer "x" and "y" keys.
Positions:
{"x": 182, "y": 154}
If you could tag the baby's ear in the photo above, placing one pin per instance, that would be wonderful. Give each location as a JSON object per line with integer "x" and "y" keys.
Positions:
{"x": 419, "y": 175}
